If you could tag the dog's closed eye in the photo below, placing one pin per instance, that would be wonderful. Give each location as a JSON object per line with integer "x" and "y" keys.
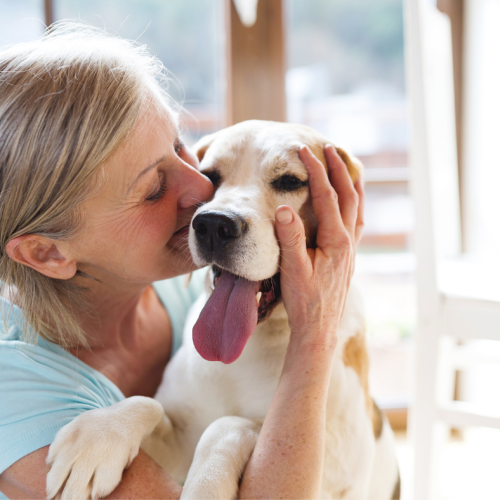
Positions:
{"x": 214, "y": 176}
{"x": 288, "y": 183}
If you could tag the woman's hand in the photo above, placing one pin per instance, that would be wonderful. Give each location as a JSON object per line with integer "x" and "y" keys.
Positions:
{"x": 314, "y": 282}
{"x": 314, "y": 285}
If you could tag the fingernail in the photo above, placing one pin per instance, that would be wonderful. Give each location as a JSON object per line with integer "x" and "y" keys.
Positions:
{"x": 332, "y": 148}
{"x": 284, "y": 217}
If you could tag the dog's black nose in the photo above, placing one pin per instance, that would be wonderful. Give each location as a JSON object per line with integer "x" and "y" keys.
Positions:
{"x": 215, "y": 230}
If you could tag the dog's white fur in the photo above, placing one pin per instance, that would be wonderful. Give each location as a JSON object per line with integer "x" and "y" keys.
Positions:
{"x": 213, "y": 412}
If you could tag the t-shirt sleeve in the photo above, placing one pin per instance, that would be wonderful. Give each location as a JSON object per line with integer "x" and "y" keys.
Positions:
{"x": 41, "y": 390}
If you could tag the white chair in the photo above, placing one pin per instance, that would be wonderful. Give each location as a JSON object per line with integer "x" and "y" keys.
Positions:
{"x": 457, "y": 298}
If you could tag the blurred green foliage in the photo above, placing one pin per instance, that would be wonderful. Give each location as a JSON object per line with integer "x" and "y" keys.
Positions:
{"x": 187, "y": 35}
{"x": 358, "y": 41}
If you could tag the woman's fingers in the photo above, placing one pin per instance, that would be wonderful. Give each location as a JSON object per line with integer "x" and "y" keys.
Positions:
{"x": 324, "y": 201}
{"x": 291, "y": 235}
{"x": 343, "y": 185}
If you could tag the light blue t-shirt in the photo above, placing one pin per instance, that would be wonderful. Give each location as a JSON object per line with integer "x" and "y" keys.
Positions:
{"x": 43, "y": 387}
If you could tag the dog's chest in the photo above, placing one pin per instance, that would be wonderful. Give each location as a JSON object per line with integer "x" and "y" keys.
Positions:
{"x": 252, "y": 380}
{"x": 202, "y": 391}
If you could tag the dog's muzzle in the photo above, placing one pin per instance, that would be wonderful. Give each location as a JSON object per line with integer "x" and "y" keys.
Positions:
{"x": 237, "y": 304}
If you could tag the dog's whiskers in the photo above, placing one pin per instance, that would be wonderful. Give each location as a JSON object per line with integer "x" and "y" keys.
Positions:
{"x": 198, "y": 203}
{"x": 283, "y": 271}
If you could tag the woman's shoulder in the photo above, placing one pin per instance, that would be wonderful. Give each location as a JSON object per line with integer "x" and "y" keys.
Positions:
{"x": 43, "y": 362}
{"x": 42, "y": 388}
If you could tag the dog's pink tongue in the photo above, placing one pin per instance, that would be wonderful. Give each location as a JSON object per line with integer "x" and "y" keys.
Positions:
{"x": 227, "y": 320}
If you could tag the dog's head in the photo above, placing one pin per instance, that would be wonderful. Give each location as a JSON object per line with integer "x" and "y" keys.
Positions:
{"x": 255, "y": 168}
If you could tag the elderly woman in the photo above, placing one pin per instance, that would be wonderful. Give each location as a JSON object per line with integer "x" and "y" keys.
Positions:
{"x": 97, "y": 191}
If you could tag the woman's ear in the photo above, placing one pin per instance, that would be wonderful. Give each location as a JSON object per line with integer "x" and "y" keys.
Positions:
{"x": 49, "y": 257}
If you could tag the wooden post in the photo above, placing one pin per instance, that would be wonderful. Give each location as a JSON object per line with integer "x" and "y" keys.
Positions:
{"x": 49, "y": 12}
{"x": 256, "y": 64}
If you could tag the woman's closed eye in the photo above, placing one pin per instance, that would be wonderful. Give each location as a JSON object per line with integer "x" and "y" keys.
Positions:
{"x": 160, "y": 187}
{"x": 159, "y": 190}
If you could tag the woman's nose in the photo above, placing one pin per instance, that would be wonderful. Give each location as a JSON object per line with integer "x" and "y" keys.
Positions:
{"x": 195, "y": 187}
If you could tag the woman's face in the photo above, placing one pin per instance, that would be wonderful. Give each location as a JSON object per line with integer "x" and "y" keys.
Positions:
{"x": 135, "y": 229}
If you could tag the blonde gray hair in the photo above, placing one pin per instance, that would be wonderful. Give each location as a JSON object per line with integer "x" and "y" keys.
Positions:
{"x": 67, "y": 101}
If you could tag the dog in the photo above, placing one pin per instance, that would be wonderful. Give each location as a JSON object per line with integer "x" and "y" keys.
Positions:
{"x": 204, "y": 422}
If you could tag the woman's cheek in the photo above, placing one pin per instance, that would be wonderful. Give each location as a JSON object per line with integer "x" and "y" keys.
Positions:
{"x": 156, "y": 223}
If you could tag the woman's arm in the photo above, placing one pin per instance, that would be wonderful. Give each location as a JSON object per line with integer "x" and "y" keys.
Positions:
{"x": 143, "y": 479}
{"x": 288, "y": 459}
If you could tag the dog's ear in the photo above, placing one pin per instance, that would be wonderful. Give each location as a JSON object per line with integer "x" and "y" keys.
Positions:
{"x": 200, "y": 148}
{"x": 354, "y": 166}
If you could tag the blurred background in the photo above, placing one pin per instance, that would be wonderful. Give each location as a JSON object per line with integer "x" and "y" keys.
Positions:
{"x": 339, "y": 66}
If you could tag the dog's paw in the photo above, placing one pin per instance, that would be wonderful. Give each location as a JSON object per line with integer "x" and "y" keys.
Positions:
{"x": 88, "y": 456}
{"x": 220, "y": 459}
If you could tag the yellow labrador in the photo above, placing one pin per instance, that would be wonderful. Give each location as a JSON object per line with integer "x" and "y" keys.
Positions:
{"x": 206, "y": 417}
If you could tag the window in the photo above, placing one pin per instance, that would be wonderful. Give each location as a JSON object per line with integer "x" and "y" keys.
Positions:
{"x": 186, "y": 35}
{"x": 20, "y": 21}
